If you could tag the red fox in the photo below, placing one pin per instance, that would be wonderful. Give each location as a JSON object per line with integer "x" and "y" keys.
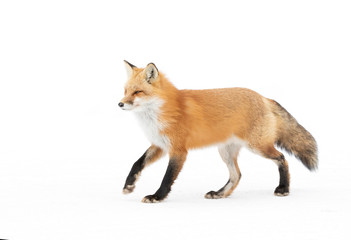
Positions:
{"x": 176, "y": 121}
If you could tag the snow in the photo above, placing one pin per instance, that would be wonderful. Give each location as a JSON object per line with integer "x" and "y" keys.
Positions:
{"x": 66, "y": 148}
{"x": 82, "y": 199}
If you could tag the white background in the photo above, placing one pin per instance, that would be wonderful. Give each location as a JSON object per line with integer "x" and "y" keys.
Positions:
{"x": 66, "y": 148}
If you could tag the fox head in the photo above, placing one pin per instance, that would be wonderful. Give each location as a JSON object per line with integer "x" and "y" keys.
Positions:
{"x": 139, "y": 91}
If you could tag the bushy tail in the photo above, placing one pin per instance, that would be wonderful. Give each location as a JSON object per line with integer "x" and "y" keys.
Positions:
{"x": 295, "y": 139}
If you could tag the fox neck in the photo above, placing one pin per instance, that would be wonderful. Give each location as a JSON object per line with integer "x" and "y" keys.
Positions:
{"x": 155, "y": 117}
{"x": 170, "y": 96}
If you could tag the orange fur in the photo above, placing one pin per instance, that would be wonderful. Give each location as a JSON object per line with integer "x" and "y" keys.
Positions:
{"x": 178, "y": 120}
{"x": 198, "y": 118}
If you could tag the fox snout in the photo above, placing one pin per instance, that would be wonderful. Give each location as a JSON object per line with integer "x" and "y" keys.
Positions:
{"x": 127, "y": 102}
{"x": 128, "y": 105}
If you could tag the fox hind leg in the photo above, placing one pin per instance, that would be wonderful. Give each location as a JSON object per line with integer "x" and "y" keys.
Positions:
{"x": 284, "y": 182}
{"x": 283, "y": 167}
{"x": 229, "y": 154}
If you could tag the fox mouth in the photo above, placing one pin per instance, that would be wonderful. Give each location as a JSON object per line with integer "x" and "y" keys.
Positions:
{"x": 127, "y": 107}
{"x": 130, "y": 106}
{"x": 140, "y": 104}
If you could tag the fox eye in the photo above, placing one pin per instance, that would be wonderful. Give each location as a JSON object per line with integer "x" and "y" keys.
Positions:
{"x": 136, "y": 92}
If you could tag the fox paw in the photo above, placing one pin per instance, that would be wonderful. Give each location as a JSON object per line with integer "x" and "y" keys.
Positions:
{"x": 281, "y": 191}
{"x": 151, "y": 199}
{"x": 128, "y": 189}
{"x": 213, "y": 195}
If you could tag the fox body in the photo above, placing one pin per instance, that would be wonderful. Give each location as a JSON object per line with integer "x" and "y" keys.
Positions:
{"x": 176, "y": 121}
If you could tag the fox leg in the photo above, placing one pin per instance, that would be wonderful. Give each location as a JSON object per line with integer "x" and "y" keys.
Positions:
{"x": 175, "y": 165}
{"x": 283, "y": 167}
{"x": 151, "y": 155}
{"x": 229, "y": 154}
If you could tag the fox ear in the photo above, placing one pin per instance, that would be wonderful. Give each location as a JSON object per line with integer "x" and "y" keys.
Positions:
{"x": 129, "y": 67}
{"x": 151, "y": 73}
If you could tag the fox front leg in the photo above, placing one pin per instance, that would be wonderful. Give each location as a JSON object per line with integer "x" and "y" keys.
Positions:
{"x": 175, "y": 165}
{"x": 151, "y": 155}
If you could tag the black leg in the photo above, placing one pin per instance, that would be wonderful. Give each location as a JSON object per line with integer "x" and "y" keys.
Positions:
{"x": 134, "y": 173}
{"x": 284, "y": 176}
{"x": 174, "y": 167}
{"x": 150, "y": 155}
{"x": 283, "y": 188}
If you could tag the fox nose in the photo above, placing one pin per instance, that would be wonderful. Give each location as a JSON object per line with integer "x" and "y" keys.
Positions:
{"x": 120, "y": 104}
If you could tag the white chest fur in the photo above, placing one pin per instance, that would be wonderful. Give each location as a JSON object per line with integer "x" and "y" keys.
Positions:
{"x": 148, "y": 117}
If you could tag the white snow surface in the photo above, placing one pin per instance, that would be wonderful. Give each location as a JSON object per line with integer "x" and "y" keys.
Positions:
{"x": 66, "y": 147}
